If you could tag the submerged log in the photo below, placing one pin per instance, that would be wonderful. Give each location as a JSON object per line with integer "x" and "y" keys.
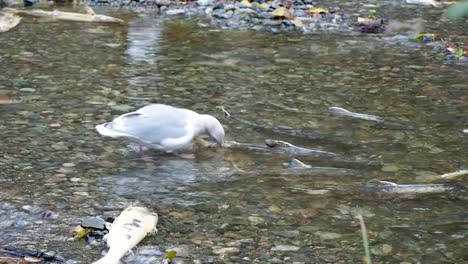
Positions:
{"x": 90, "y": 16}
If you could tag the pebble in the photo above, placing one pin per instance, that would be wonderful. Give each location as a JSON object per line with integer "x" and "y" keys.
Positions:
{"x": 382, "y": 249}
{"x": 390, "y": 168}
{"x": 327, "y": 235}
{"x": 285, "y": 248}
{"x": 226, "y": 251}
{"x": 182, "y": 251}
{"x": 256, "y": 220}
{"x": 28, "y": 90}
{"x": 175, "y": 12}
{"x": 205, "y": 2}
{"x": 94, "y": 222}
{"x": 287, "y": 233}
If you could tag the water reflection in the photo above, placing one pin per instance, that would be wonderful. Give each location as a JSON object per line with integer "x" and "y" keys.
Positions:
{"x": 143, "y": 39}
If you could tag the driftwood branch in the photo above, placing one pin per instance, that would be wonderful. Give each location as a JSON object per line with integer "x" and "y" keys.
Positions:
{"x": 90, "y": 16}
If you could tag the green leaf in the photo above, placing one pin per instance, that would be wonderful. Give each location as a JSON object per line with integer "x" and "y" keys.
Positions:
{"x": 83, "y": 233}
{"x": 459, "y": 53}
{"x": 420, "y": 37}
{"x": 170, "y": 255}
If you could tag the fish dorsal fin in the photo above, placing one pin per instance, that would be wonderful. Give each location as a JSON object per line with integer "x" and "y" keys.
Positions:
{"x": 89, "y": 11}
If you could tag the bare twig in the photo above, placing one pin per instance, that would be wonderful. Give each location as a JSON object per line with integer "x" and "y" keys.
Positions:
{"x": 455, "y": 174}
{"x": 365, "y": 240}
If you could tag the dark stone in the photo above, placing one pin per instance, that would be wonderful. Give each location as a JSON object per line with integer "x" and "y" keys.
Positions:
{"x": 218, "y": 6}
{"x": 94, "y": 222}
{"x": 30, "y": 2}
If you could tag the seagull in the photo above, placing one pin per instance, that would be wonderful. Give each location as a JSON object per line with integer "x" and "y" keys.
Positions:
{"x": 163, "y": 127}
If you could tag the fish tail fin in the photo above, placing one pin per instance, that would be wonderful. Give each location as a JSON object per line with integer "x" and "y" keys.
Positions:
{"x": 108, "y": 259}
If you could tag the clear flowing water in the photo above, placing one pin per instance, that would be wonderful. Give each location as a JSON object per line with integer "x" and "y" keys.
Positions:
{"x": 68, "y": 77}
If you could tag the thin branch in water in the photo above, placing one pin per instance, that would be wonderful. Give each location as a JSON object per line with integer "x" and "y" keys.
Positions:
{"x": 455, "y": 174}
{"x": 237, "y": 168}
{"x": 365, "y": 240}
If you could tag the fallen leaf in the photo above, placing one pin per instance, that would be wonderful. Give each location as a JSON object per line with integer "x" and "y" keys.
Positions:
{"x": 364, "y": 19}
{"x": 170, "y": 255}
{"x": 5, "y": 100}
{"x": 318, "y": 10}
{"x": 425, "y": 37}
{"x": 83, "y": 233}
{"x": 247, "y": 3}
{"x": 262, "y": 5}
{"x": 459, "y": 53}
{"x": 372, "y": 11}
{"x": 297, "y": 23}
{"x": 278, "y": 12}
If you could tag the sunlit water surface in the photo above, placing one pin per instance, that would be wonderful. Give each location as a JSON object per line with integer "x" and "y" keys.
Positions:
{"x": 69, "y": 77}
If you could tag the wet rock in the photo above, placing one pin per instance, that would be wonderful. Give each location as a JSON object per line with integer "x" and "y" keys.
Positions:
{"x": 383, "y": 249}
{"x": 219, "y": 5}
{"x": 328, "y": 235}
{"x": 226, "y": 251}
{"x": 220, "y": 13}
{"x": 182, "y": 251}
{"x": 205, "y": 2}
{"x": 162, "y": 3}
{"x": 390, "y": 168}
{"x": 94, "y": 222}
{"x": 285, "y": 248}
{"x": 175, "y": 12}
{"x": 287, "y": 233}
{"x": 256, "y": 220}
{"x": 28, "y": 90}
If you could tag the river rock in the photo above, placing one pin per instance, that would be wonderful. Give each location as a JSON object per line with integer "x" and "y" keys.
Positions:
{"x": 205, "y": 2}
{"x": 175, "y": 12}
{"x": 226, "y": 251}
{"x": 285, "y": 248}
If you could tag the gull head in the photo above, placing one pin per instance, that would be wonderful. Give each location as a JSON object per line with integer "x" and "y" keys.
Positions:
{"x": 214, "y": 129}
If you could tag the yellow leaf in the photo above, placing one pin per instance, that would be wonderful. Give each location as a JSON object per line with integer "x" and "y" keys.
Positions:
{"x": 278, "y": 12}
{"x": 364, "y": 19}
{"x": 372, "y": 11}
{"x": 297, "y": 23}
{"x": 263, "y": 5}
{"x": 170, "y": 255}
{"x": 318, "y": 10}
{"x": 247, "y": 3}
{"x": 83, "y": 233}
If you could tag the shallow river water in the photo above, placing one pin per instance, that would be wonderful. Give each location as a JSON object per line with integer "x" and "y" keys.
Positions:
{"x": 232, "y": 205}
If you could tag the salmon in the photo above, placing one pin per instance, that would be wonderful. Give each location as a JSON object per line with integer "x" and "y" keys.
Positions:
{"x": 128, "y": 229}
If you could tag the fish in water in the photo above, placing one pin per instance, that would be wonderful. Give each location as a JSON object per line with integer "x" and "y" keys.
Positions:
{"x": 128, "y": 229}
